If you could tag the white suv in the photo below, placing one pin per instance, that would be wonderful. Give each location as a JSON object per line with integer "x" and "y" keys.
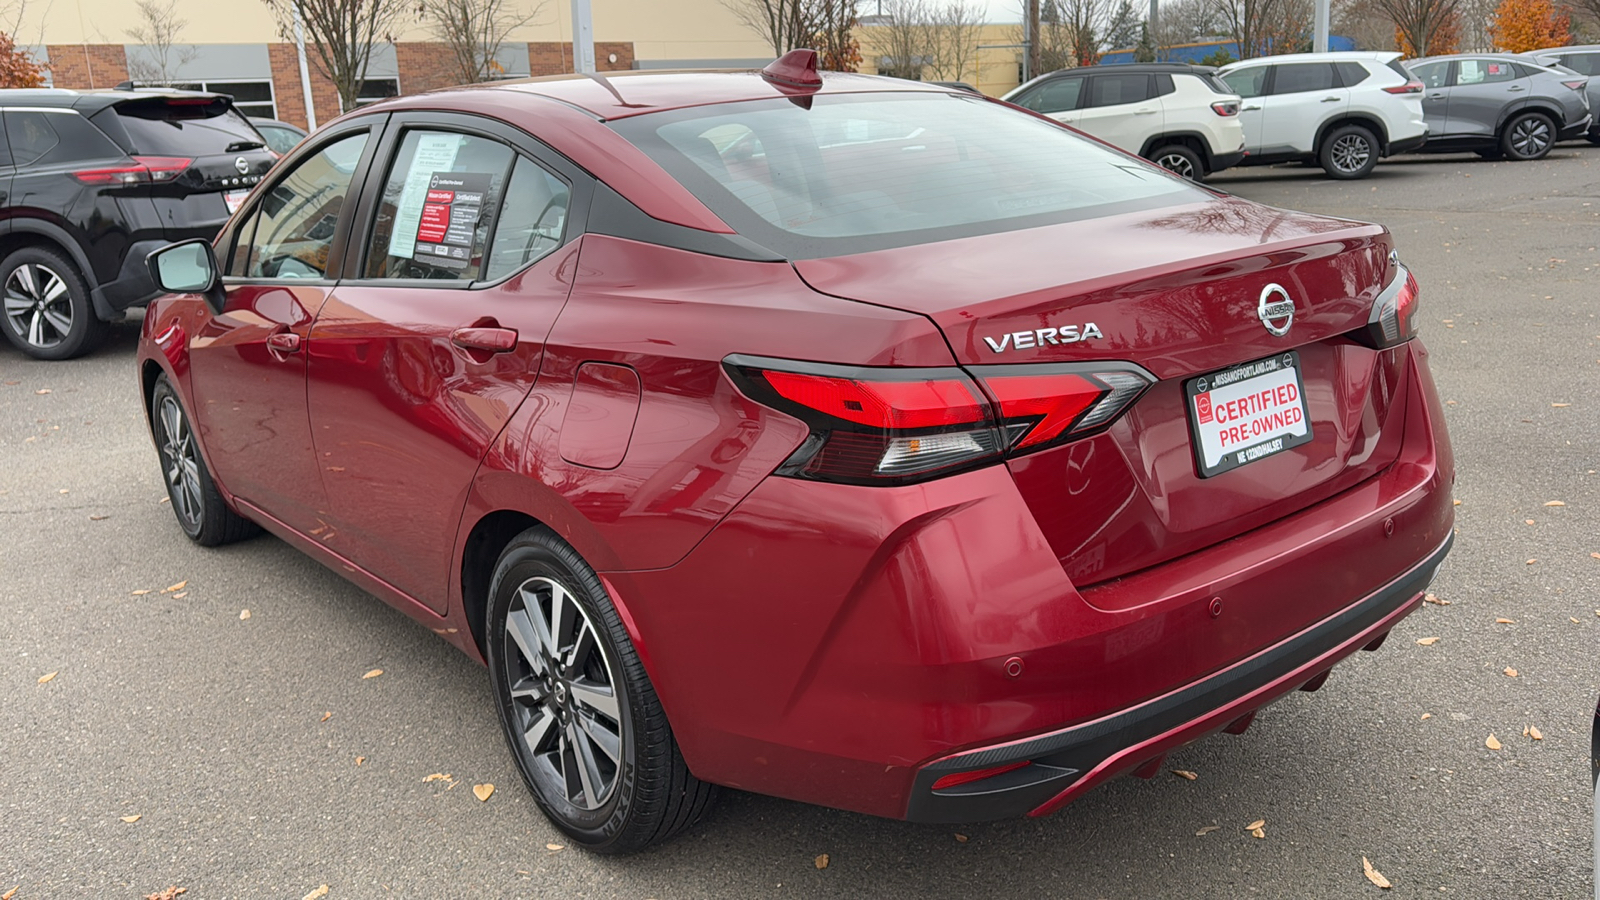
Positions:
{"x": 1340, "y": 110}
{"x": 1179, "y": 116}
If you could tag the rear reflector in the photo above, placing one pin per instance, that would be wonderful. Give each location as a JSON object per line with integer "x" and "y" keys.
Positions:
{"x": 1411, "y": 87}
{"x": 959, "y": 778}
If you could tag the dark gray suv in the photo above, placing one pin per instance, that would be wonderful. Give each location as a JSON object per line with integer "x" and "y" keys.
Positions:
{"x": 1583, "y": 59}
{"x": 1499, "y": 106}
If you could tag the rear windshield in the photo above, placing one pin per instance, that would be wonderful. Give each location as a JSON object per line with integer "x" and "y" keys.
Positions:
{"x": 865, "y": 172}
{"x": 185, "y": 127}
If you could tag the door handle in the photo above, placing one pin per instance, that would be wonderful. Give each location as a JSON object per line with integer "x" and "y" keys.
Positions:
{"x": 1144, "y": 112}
{"x": 1436, "y": 96}
{"x": 1516, "y": 88}
{"x": 284, "y": 342}
{"x": 1254, "y": 108}
{"x": 489, "y": 340}
{"x": 1330, "y": 99}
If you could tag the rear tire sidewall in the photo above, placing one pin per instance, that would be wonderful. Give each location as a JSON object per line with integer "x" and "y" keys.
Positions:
{"x": 1197, "y": 170}
{"x": 1510, "y": 150}
{"x": 538, "y": 553}
{"x": 1325, "y": 155}
{"x": 86, "y": 331}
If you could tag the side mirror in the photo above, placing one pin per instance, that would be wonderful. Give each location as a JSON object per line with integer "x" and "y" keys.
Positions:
{"x": 187, "y": 267}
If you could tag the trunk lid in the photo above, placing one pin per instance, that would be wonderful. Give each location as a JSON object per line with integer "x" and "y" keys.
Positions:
{"x": 1176, "y": 291}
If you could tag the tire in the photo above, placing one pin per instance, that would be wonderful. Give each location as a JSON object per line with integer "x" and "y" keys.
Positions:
{"x": 1348, "y": 152}
{"x": 584, "y": 692}
{"x": 1179, "y": 160}
{"x": 196, "y": 503}
{"x": 1527, "y": 136}
{"x": 1593, "y": 137}
{"x": 47, "y": 312}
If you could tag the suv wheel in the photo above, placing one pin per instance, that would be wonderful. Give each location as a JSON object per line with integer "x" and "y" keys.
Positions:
{"x": 584, "y": 724}
{"x": 1348, "y": 151}
{"x": 1528, "y": 136}
{"x": 1179, "y": 160}
{"x": 47, "y": 310}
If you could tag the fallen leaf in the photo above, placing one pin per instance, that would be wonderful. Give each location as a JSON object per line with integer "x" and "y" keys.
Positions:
{"x": 1373, "y": 875}
{"x": 180, "y": 595}
{"x": 1207, "y": 830}
{"x": 1527, "y": 521}
{"x": 1434, "y": 599}
{"x": 437, "y": 776}
{"x": 1595, "y": 555}
{"x": 1457, "y": 503}
{"x": 98, "y": 518}
{"x": 1428, "y": 641}
{"x": 319, "y": 892}
{"x": 1504, "y": 621}
{"x": 1532, "y": 561}
{"x": 821, "y": 861}
{"x": 1185, "y": 773}
{"x": 1555, "y": 503}
{"x": 1560, "y": 405}
{"x": 1256, "y": 824}
{"x": 13, "y": 892}
{"x": 164, "y": 500}
{"x": 373, "y": 674}
{"x": 1492, "y": 742}
{"x": 170, "y": 893}
{"x": 961, "y": 838}
{"x": 325, "y": 717}
{"x": 177, "y": 587}
{"x": 1510, "y": 672}
{"x": 141, "y": 592}
{"x": 553, "y": 847}
{"x": 360, "y": 760}
{"x": 42, "y": 391}
{"x": 45, "y": 678}
{"x": 244, "y": 614}
{"x": 483, "y": 792}
{"x": 1572, "y": 619}
{"x": 63, "y": 491}
{"x": 1257, "y": 833}
{"x": 131, "y": 819}
{"x": 1535, "y": 733}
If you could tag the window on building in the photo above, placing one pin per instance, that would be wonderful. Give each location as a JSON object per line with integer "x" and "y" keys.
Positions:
{"x": 252, "y": 98}
{"x": 375, "y": 89}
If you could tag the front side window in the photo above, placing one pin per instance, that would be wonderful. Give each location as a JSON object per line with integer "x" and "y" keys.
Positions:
{"x": 950, "y": 166}
{"x": 438, "y": 205}
{"x": 1250, "y": 82}
{"x": 1295, "y": 78}
{"x": 1115, "y": 90}
{"x": 1056, "y": 96}
{"x": 1484, "y": 71}
{"x": 290, "y": 232}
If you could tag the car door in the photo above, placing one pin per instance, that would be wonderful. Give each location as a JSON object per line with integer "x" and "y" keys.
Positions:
{"x": 1251, "y": 84}
{"x": 248, "y": 361}
{"x": 1483, "y": 90}
{"x": 1303, "y": 96}
{"x": 1058, "y": 98}
{"x": 418, "y": 360}
{"x": 1122, "y": 109}
{"x": 1435, "y": 78}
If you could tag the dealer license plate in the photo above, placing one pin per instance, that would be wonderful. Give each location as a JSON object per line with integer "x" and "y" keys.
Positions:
{"x": 234, "y": 199}
{"x": 1246, "y": 413}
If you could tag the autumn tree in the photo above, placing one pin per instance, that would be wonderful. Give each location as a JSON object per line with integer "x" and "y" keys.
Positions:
{"x": 1522, "y": 25}
{"x": 473, "y": 31}
{"x": 340, "y": 35}
{"x": 1424, "y": 27}
{"x": 18, "y": 69}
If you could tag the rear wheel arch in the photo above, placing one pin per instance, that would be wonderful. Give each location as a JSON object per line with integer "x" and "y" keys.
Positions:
{"x": 1184, "y": 138}
{"x": 1368, "y": 122}
{"x": 25, "y": 232}
{"x": 480, "y": 552}
{"x": 1529, "y": 106}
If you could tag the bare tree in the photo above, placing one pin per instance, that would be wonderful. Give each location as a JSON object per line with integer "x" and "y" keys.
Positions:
{"x": 1184, "y": 22}
{"x": 957, "y": 25}
{"x": 161, "y": 57}
{"x": 340, "y": 35}
{"x": 905, "y": 38}
{"x": 786, "y": 24}
{"x": 1262, "y": 27}
{"x": 1419, "y": 22}
{"x": 473, "y": 31}
{"x": 1363, "y": 22}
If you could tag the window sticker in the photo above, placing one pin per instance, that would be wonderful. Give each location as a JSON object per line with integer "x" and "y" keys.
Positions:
{"x": 435, "y": 153}
{"x": 449, "y": 218}
{"x": 1496, "y": 69}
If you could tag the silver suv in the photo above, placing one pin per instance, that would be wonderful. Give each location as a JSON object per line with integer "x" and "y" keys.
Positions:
{"x": 1499, "y": 106}
{"x": 1582, "y": 59}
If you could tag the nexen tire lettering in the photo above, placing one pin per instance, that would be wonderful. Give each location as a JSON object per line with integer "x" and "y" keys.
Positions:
{"x": 1038, "y": 337}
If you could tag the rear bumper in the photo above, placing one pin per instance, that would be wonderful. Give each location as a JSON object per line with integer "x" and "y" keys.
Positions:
{"x": 1408, "y": 145}
{"x": 132, "y": 286}
{"x": 1576, "y": 129}
{"x": 1220, "y": 161}
{"x": 1065, "y": 763}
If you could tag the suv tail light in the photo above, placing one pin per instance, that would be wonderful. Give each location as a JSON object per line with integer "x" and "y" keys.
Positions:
{"x": 897, "y": 426}
{"x": 1394, "y": 313}
{"x": 1576, "y": 84}
{"x": 148, "y": 169}
{"x": 1411, "y": 87}
{"x": 1226, "y": 107}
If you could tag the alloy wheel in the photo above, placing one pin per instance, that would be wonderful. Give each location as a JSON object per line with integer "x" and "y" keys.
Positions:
{"x": 1350, "y": 153}
{"x": 38, "y": 305}
{"x": 1530, "y": 137}
{"x": 564, "y": 694}
{"x": 180, "y": 464}
{"x": 1177, "y": 164}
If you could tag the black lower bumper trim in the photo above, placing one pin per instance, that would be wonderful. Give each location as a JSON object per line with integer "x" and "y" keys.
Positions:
{"x": 1061, "y": 757}
{"x": 1408, "y": 145}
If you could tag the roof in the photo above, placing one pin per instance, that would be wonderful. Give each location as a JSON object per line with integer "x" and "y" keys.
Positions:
{"x": 96, "y": 99}
{"x": 1575, "y": 48}
{"x": 1384, "y": 57}
{"x": 1168, "y": 67}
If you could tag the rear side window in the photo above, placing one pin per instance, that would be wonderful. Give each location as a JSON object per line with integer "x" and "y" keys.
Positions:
{"x": 1249, "y": 82}
{"x": 31, "y": 136}
{"x": 1115, "y": 90}
{"x": 1582, "y": 63}
{"x": 966, "y": 167}
{"x": 1394, "y": 66}
{"x": 1432, "y": 75}
{"x": 39, "y": 138}
{"x": 186, "y": 127}
{"x": 438, "y": 206}
{"x": 1352, "y": 73}
{"x": 1484, "y": 71}
{"x": 1055, "y": 96}
{"x": 1164, "y": 85}
{"x": 532, "y": 223}
{"x": 1216, "y": 84}
{"x": 1296, "y": 78}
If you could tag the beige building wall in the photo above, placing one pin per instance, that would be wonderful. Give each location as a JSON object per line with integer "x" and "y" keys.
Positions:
{"x": 996, "y": 67}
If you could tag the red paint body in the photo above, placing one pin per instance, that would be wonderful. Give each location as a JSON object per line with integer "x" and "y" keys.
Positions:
{"x": 828, "y": 642}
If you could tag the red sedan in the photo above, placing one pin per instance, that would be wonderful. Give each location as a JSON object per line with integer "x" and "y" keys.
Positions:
{"x": 845, "y": 439}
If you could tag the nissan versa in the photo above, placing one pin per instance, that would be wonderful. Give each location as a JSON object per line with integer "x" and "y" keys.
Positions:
{"x": 845, "y": 439}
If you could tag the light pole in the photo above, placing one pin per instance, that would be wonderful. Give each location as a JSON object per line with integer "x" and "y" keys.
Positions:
{"x": 582, "y": 38}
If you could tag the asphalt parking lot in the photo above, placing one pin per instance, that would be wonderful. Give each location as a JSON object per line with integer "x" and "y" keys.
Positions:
{"x": 260, "y": 763}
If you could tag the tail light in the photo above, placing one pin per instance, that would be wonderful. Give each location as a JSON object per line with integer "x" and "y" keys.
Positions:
{"x": 1576, "y": 84}
{"x": 1394, "y": 313}
{"x": 1411, "y": 87}
{"x": 146, "y": 170}
{"x": 1226, "y": 107}
{"x": 897, "y": 426}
